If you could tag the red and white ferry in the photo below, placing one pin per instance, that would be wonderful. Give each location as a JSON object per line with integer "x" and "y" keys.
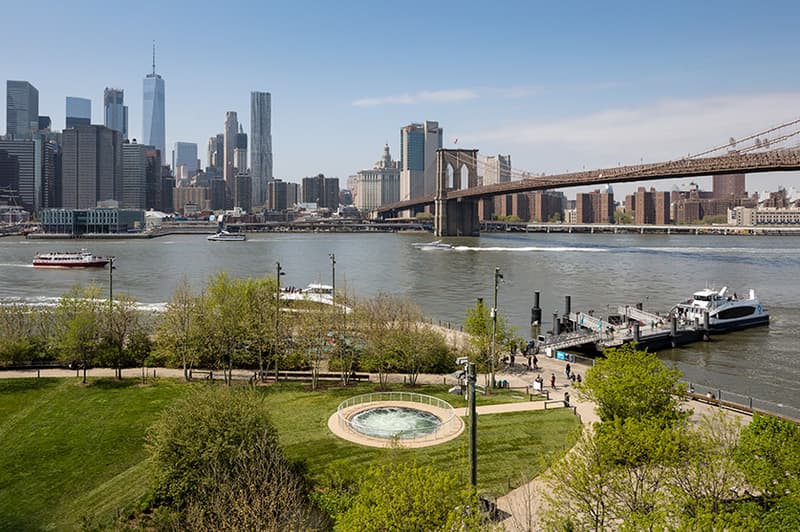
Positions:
{"x": 69, "y": 259}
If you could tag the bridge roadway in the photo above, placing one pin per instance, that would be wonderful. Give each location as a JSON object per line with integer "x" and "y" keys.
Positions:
{"x": 754, "y": 162}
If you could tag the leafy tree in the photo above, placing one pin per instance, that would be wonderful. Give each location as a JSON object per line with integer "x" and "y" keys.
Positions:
{"x": 381, "y": 315}
{"x": 120, "y": 323}
{"x": 769, "y": 456}
{"x": 478, "y": 324}
{"x": 23, "y": 333}
{"x": 555, "y": 217}
{"x": 177, "y": 329}
{"x": 628, "y": 383}
{"x": 409, "y": 497}
{"x": 77, "y": 327}
{"x": 419, "y": 349}
{"x": 702, "y": 481}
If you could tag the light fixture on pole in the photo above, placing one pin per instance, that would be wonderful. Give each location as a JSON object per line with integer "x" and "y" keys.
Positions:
{"x": 279, "y": 272}
{"x": 497, "y": 276}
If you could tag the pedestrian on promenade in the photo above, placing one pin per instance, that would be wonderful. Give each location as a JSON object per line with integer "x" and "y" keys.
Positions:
{"x": 567, "y": 370}
{"x": 553, "y": 381}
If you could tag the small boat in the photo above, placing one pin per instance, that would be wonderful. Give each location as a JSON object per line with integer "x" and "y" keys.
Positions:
{"x": 69, "y": 259}
{"x": 725, "y": 312}
{"x": 436, "y": 244}
{"x": 225, "y": 236}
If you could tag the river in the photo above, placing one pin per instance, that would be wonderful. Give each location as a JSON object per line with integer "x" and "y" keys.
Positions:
{"x": 600, "y": 272}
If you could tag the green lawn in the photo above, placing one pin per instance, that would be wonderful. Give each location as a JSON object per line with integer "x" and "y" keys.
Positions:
{"x": 70, "y": 450}
{"x": 511, "y": 446}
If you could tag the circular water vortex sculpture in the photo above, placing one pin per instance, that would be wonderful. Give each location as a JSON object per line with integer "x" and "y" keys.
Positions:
{"x": 396, "y": 418}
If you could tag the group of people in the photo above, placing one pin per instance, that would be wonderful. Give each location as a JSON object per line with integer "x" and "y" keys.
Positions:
{"x": 571, "y": 377}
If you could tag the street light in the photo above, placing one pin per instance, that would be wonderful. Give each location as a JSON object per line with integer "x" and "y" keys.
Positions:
{"x": 497, "y": 275}
{"x": 333, "y": 280}
{"x": 279, "y": 272}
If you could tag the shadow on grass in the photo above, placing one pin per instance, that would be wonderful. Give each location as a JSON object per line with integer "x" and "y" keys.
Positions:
{"x": 21, "y": 385}
{"x": 112, "y": 383}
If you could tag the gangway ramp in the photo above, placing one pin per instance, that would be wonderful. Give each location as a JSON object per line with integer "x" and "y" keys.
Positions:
{"x": 565, "y": 341}
{"x": 588, "y": 322}
{"x": 646, "y": 318}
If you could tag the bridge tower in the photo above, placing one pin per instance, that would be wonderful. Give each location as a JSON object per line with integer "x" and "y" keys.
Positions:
{"x": 456, "y": 170}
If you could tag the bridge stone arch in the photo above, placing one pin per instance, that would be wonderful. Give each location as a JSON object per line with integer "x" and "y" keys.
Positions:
{"x": 456, "y": 217}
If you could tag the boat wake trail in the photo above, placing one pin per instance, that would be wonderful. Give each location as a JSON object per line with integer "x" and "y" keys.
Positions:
{"x": 532, "y": 249}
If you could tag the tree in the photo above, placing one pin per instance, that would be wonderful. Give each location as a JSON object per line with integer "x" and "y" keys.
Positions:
{"x": 579, "y": 489}
{"x": 381, "y": 315}
{"x": 176, "y": 332}
{"x": 419, "y": 349}
{"x": 120, "y": 324}
{"x": 769, "y": 456}
{"x": 23, "y": 333}
{"x": 77, "y": 327}
{"x": 478, "y": 324}
{"x": 409, "y": 497}
{"x": 631, "y": 383}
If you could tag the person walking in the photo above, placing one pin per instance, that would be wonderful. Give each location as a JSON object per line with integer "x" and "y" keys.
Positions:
{"x": 568, "y": 370}
{"x": 553, "y": 381}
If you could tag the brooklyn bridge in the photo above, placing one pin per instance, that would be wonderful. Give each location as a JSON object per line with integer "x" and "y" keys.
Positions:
{"x": 456, "y": 200}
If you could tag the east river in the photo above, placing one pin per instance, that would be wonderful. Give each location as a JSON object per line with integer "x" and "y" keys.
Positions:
{"x": 600, "y": 272}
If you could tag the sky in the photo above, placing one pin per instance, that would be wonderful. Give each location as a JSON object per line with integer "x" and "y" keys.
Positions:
{"x": 557, "y": 85}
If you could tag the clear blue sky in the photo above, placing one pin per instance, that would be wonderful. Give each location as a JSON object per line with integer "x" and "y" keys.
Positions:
{"x": 558, "y": 85}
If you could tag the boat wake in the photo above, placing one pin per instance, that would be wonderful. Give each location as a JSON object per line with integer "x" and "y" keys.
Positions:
{"x": 48, "y": 301}
{"x": 531, "y": 249}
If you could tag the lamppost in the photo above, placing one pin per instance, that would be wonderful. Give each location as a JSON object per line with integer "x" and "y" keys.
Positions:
{"x": 279, "y": 272}
{"x": 497, "y": 275}
{"x": 111, "y": 283}
{"x": 333, "y": 280}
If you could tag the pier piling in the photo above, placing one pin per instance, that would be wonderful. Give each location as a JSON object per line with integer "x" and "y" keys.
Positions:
{"x": 536, "y": 311}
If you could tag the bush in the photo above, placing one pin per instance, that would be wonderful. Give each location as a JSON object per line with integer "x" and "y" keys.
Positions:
{"x": 210, "y": 428}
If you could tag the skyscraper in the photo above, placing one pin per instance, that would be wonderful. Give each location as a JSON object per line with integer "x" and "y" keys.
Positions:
{"x": 153, "y": 120}
{"x": 116, "y": 113}
{"x": 79, "y": 112}
{"x": 260, "y": 143}
{"x": 240, "y": 152}
{"x": 185, "y": 155}
{"x": 729, "y": 186}
{"x": 231, "y": 131}
{"x": 418, "y": 145}
{"x": 27, "y": 169}
{"x": 92, "y": 166}
{"x": 134, "y": 172}
{"x": 22, "y": 109}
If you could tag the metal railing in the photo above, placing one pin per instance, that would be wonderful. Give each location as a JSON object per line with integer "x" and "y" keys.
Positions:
{"x": 448, "y": 423}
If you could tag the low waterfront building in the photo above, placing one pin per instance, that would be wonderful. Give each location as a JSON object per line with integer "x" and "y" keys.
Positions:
{"x": 379, "y": 185}
{"x": 77, "y": 222}
{"x": 744, "y": 216}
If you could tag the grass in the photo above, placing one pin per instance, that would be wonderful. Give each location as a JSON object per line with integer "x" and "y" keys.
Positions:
{"x": 512, "y": 447}
{"x": 71, "y": 452}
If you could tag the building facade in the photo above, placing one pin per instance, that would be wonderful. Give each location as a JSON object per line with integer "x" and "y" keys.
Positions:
{"x": 28, "y": 172}
{"x": 260, "y": 144}
{"x": 282, "y": 195}
{"x": 79, "y": 112}
{"x": 91, "y": 166}
{"x": 497, "y": 169}
{"x": 324, "y": 191}
{"x": 230, "y": 138}
{"x": 240, "y": 152}
{"x": 595, "y": 207}
{"x": 82, "y": 221}
{"x": 418, "y": 145}
{"x": 22, "y": 109}
{"x": 378, "y": 186}
{"x": 184, "y": 155}
{"x": 546, "y": 205}
{"x": 729, "y": 186}
{"x": 134, "y": 176}
{"x": 115, "y": 111}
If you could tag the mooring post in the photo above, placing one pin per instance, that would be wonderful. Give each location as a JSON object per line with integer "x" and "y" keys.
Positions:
{"x": 536, "y": 311}
{"x": 567, "y": 305}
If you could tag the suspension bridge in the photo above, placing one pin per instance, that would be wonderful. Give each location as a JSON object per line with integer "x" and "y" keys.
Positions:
{"x": 458, "y": 187}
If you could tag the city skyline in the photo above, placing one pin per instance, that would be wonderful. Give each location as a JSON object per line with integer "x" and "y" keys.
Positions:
{"x": 586, "y": 86}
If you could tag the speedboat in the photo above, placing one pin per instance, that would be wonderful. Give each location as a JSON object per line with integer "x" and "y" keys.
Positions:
{"x": 69, "y": 259}
{"x": 726, "y": 312}
{"x": 436, "y": 244}
{"x": 225, "y": 236}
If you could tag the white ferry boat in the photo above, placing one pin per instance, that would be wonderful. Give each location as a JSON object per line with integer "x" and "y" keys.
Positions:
{"x": 321, "y": 294}
{"x": 69, "y": 259}
{"x": 225, "y": 236}
{"x": 725, "y": 311}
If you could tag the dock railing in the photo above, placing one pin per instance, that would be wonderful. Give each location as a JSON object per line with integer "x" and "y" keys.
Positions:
{"x": 740, "y": 402}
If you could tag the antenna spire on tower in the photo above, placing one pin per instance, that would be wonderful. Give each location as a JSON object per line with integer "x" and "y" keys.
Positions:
{"x": 154, "y": 58}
